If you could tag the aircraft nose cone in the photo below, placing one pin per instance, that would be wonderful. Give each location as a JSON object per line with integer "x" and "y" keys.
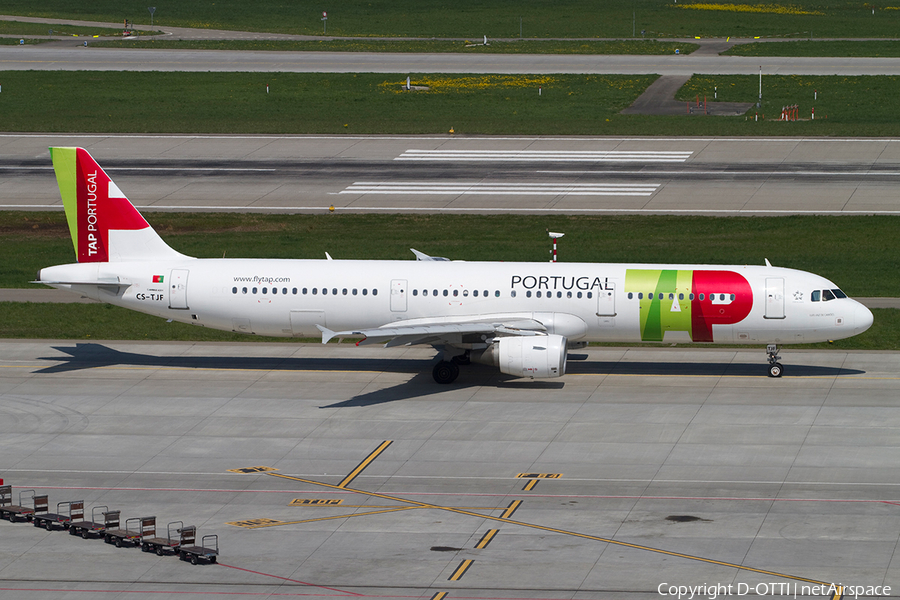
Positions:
{"x": 863, "y": 318}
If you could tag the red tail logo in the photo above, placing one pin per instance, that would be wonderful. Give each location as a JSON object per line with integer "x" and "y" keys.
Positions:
{"x": 101, "y": 207}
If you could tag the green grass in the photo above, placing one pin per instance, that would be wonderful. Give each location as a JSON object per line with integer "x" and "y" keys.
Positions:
{"x": 311, "y": 102}
{"x": 808, "y": 48}
{"x": 649, "y": 47}
{"x": 25, "y": 320}
{"x": 15, "y": 41}
{"x": 365, "y": 103}
{"x": 41, "y": 29}
{"x": 859, "y": 256}
{"x": 474, "y": 18}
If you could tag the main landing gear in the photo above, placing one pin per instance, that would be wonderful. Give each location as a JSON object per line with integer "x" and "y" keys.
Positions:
{"x": 446, "y": 371}
{"x": 775, "y": 368}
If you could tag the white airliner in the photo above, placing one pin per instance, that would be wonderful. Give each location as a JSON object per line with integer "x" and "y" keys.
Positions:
{"x": 519, "y": 317}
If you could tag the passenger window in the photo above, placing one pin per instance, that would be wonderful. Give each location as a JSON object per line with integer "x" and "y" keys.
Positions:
{"x": 538, "y": 294}
{"x": 559, "y": 294}
{"x": 568, "y": 294}
{"x": 234, "y": 290}
{"x": 424, "y": 292}
{"x": 334, "y": 291}
{"x": 701, "y": 297}
{"x": 415, "y": 292}
{"x": 827, "y": 295}
{"x": 344, "y": 291}
{"x": 374, "y": 291}
{"x": 254, "y": 290}
{"x": 681, "y": 296}
{"x": 497, "y": 293}
{"x": 445, "y": 293}
{"x": 265, "y": 290}
{"x": 640, "y": 295}
{"x": 455, "y": 293}
{"x": 691, "y": 296}
{"x": 486, "y": 294}
{"x": 365, "y": 291}
{"x": 355, "y": 291}
{"x": 434, "y": 292}
{"x": 274, "y": 291}
{"x": 630, "y": 295}
{"x": 579, "y": 294}
{"x": 512, "y": 294}
{"x": 528, "y": 294}
{"x": 324, "y": 291}
{"x": 315, "y": 291}
{"x": 294, "y": 291}
{"x": 475, "y": 293}
{"x": 732, "y": 297}
{"x": 243, "y": 290}
{"x": 590, "y": 294}
{"x": 304, "y": 291}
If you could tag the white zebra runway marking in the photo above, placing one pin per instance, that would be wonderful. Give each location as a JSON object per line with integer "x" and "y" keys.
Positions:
{"x": 500, "y": 189}
{"x": 545, "y": 155}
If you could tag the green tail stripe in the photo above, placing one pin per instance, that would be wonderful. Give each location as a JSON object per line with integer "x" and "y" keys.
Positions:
{"x": 65, "y": 165}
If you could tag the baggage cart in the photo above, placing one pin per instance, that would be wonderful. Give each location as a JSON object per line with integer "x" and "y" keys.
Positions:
{"x": 207, "y": 551}
{"x": 150, "y": 542}
{"x": 87, "y": 529}
{"x": 50, "y": 521}
{"x": 15, "y": 512}
{"x": 113, "y": 534}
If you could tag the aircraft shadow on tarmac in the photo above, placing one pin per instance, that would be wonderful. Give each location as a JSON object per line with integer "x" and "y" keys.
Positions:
{"x": 92, "y": 355}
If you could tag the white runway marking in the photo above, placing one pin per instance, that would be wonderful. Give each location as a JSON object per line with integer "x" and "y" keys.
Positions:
{"x": 545, "y": 155}
{"x": 500, "y": 189}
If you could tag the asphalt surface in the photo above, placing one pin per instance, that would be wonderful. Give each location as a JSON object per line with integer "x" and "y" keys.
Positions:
{"x": 452, "y": 174}
{"x": 652, "y": 467}
{"x": 75, "y": 58}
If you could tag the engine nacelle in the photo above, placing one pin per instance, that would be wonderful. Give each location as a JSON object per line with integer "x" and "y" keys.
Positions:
{"x": 535, "y": 356}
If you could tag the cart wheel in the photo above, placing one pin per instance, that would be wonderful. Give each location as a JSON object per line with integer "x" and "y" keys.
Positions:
{"x": 84, "y": 534}
{"x": 159, "y": 551}
{"x": 72, "y": 531}
{"x": 49, "y": 526}
{"x": 36, "y": 523}
{"x": 107, "y": 539}
{"x": 193, "y": 559}
{"x": 118, "y": 542}
{"x": 212, "y": 560}
{"x": 145, "y": 548}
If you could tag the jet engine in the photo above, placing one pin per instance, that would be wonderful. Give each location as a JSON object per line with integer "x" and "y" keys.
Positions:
{"x": 534, "y": 356}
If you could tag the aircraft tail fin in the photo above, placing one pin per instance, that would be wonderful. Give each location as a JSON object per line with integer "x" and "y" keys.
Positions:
{"x": 104, "y": 224}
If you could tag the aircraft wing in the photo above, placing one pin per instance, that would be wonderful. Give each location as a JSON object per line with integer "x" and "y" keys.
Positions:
{"x": 437, "y": 333}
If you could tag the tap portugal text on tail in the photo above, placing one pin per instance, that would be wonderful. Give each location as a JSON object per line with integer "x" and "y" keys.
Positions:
{"x": 519, "y": 317}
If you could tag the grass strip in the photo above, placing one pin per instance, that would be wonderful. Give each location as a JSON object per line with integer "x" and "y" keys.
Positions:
{"x": 855, "y": 252}
{"x": 649, "y": 47}
{"x": 366, "y": 103}
{"x": 26, "y": 320}
{"x": 497, "y": 19}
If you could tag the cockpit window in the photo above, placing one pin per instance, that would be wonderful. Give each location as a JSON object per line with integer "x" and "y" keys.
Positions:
{"x": 838, "y": 294}
{"x": 827, "y": 295}
{"x": 816, "y": 295}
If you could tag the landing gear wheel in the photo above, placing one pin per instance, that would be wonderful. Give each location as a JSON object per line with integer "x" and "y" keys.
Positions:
{"x": 445, "y": 372}
{"x": 775, "y": 370}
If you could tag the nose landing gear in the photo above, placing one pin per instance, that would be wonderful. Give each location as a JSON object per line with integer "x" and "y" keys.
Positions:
{"x": 775, "y": 367}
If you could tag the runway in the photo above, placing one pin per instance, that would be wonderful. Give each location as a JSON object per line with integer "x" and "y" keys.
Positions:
{"x": 538, "y": 175}
{"x": 343, "y": 471}
{"x": 78, "y": 58}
